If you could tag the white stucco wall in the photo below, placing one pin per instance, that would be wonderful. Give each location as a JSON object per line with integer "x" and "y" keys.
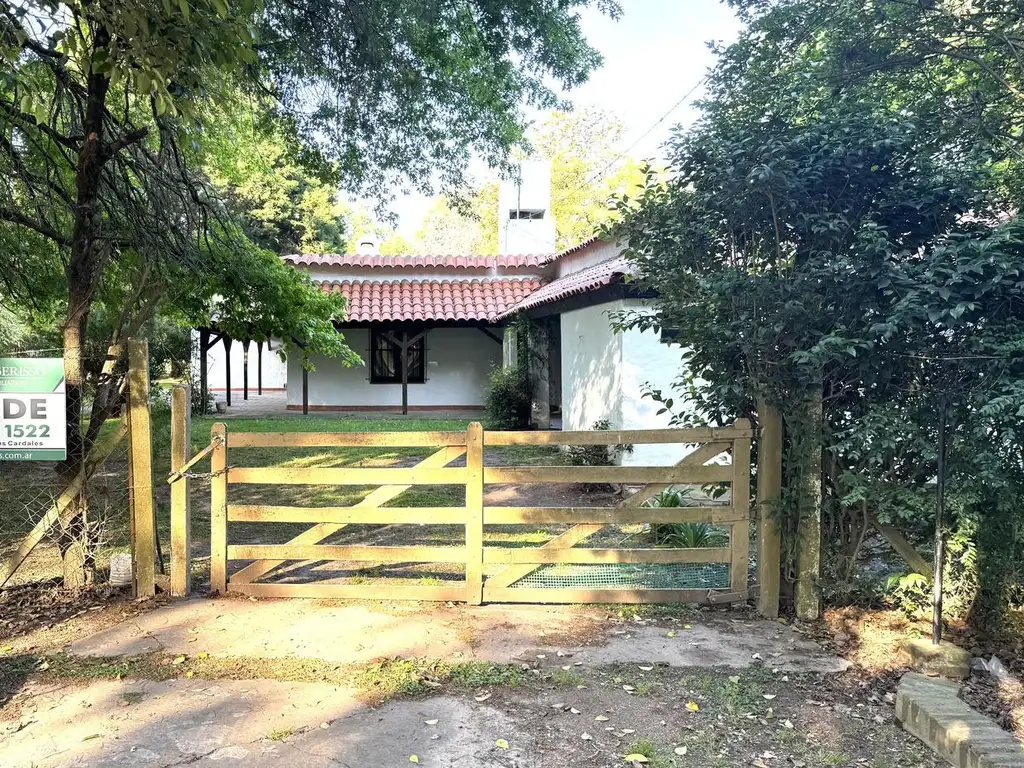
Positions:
{"x": 604, "y": 375}
{"x": 648, "y": 363}
{"x": 591, "y": 368}
{"x": 459, "y": 361}
{"x": 274, "y": 368}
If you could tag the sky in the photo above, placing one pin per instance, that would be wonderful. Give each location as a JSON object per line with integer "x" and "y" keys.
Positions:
{"x": 653, "y": 55}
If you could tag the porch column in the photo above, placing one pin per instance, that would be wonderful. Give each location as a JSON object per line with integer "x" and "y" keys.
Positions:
{"x": 204, "y": 348}
{"x": 245, "y": 368}
{"x": 259, "y": 367}
{"x": 540, "y": 357}
{"x": 227, "y": 369}
{"x": 510, "y": 347}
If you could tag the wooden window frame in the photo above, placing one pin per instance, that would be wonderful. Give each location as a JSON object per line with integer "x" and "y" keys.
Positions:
{"x": 381, "y": 337}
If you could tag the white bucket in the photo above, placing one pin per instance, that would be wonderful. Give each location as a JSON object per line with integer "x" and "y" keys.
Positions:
{"x": 121, "y": 570}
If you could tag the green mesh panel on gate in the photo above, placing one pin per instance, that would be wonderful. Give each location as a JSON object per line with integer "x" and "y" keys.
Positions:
{"x": 630, "y": 576}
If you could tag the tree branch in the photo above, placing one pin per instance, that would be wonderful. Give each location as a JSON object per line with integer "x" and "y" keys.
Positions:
{"x": 17, "y": 217}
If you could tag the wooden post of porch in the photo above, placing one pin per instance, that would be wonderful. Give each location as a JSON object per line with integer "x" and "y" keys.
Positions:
{"x": 259, "y": 367}
{"x": 204, "y": 348}
{"x": 305, "y": 391}
{"x": 227, "y": 369}
{"x": 405, "y": 372}
{"x": 245, "y": 368}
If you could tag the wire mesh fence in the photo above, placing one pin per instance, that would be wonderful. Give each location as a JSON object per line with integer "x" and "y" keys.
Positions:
{"x": 31, "y": 500}
{"x": 57, "y": 513}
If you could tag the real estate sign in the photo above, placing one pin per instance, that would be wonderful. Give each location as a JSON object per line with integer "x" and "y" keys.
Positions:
{"x": 33, "y": 423}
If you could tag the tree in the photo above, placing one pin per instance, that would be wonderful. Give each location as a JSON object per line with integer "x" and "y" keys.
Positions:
{"x": 586, "y": 174}
{"x": 102, "y": 106}
{"x": 461, "y": 227}
{"x": 837, "y": 254}
{"x": 587, "y": 170}
{"x": 288, "y": 203}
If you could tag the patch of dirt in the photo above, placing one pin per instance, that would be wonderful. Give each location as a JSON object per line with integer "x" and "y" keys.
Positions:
{"x": 44, "y": 616}
{"x": 711, "y": 719}
{"x": 872, "y": 639}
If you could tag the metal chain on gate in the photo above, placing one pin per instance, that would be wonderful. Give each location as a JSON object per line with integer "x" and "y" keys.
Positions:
{"x": 183, "y": 472}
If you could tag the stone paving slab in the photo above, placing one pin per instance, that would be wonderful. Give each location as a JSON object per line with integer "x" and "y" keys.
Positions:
{"x": 248, "y": 723}
{"x": 359, "y": 633}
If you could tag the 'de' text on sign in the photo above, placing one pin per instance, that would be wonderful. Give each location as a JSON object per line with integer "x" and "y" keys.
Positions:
{"x": 33, "y": 423}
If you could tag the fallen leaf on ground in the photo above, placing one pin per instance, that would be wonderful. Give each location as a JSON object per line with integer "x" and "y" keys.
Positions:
{"x": 586, "y": 736}
{"x": 636, "y": 757}
{"x": 430, "y": 722}
{"x": 680, "y": 751}
{"x": 692, "y": 706}
{"x": 601, "y": 719}
{"x": 501, "y": 744}
{"x": 178, "y": 660}
{"x": 413, "y": 759}
{"x": 482, "y": 697}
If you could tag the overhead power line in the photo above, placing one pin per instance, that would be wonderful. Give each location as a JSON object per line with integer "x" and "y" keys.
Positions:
{"x": 647, "y": 133}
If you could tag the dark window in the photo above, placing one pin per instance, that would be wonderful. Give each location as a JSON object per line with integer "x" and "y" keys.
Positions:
{"x": 532, "y": 214}
{"x": 386, "y": 356}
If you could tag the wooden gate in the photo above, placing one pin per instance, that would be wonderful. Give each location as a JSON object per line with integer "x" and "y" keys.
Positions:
{"x": 505, "y": 566}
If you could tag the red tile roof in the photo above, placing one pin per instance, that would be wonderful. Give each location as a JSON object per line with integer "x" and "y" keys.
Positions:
{"x": 419, "y": 262}
{"x": 589, "y": 279}
{"x": 392, "y": 300}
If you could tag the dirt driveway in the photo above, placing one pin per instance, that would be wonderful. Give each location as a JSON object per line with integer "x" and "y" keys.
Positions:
{"x": 286, "y": 683}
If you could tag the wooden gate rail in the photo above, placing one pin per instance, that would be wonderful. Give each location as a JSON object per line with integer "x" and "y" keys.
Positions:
{"x": 328, "y": 520}
{"x": 520, "y": 561}
{"x": 565, "y": 549}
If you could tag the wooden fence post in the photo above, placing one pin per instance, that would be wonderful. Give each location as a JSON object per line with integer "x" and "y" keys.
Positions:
{"x": 474, "y": 513}
{"x": 219, "y": 510}
{"x": 140, "y": 431}
{"x": 739, "y": 540}
{"x": 181, "y": 523}
{"x": 769, "y": 489}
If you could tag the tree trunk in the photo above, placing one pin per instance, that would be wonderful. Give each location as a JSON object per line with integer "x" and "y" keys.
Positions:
{"x": 806, "y": 437}
{"x": 82, "y": 272}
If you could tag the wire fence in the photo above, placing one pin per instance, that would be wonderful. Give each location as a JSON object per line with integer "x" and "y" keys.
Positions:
{"x": 48, "y": 510}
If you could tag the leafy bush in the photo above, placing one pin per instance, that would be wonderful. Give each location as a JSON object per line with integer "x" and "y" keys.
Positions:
{"x": 909, "y": 593}
{"x": 684, "y": 535}
{"x": 691, "y": 536}
{"x": 507, "y": 405}
{"x": 596, "y": 455}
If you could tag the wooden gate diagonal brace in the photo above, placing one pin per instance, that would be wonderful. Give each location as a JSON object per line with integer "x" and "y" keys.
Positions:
{"x": 578, "y": 533}
{"x": 378, "y": 497}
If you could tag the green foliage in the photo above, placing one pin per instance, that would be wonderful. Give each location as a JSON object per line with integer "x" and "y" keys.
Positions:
{"x": 508, "y": 399}
{"x": 286, "y": 199}
{"x": 586, "y": 170}
{"x": 597, "y": 455}
{"x": 834, "y": 240}
{"x": 689, "y": 535}
{"x": 909, "y": 593}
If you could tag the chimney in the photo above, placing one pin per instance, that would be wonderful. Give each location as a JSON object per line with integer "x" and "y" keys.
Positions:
{"x": 525, "y": 221}
{"x": 367, "y": 246}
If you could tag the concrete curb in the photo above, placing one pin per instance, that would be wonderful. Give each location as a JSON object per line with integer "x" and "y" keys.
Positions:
{"x": 930, "y": 709}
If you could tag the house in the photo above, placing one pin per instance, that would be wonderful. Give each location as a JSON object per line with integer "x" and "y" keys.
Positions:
{"x": 430, "y": 329}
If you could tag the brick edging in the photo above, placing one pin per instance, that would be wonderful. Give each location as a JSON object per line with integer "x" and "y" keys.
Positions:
{"x": 930, "y": 709}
